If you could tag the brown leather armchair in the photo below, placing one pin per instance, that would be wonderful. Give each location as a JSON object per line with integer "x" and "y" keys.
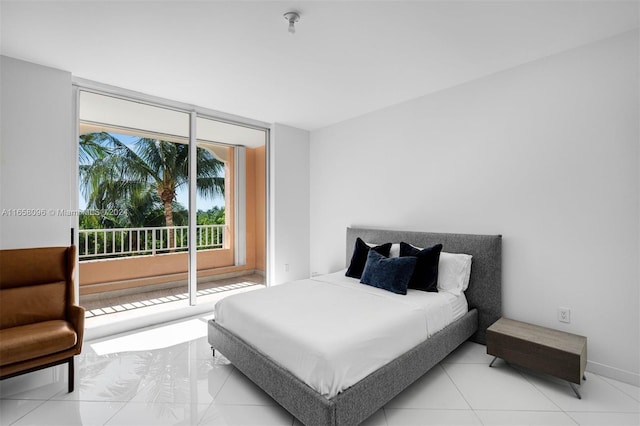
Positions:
{"x": 40, "y": 326}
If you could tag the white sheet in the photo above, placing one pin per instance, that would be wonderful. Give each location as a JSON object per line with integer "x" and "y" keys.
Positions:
{"x": 331, "y": 331}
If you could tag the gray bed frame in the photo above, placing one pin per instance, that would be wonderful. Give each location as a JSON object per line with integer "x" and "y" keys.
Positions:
{"x": 355, "y": 404}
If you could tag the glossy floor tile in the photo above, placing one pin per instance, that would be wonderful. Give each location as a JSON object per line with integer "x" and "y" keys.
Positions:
{"x": 166, "y": 375}
{"x": 71, "y": 413}
{"x": 435, "y": 390}
{"x": 495, "y": 388}
{"x": 397, "y": 417}
{"x": 517, "y": 418}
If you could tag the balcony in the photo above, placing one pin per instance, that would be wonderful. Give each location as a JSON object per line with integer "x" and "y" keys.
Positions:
{"x": 126, "y": 242}
{"x": 135, "y": 180}
{"x": 123, "y": 270}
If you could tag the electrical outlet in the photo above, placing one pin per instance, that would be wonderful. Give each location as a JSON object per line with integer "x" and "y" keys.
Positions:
{"x": 564, "y": 315}
{"x": 286, "y": 267}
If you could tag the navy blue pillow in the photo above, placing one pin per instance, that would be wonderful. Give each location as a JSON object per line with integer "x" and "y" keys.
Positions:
{"x": 425, "y": 275}
{"x": 359, "y": 257}
{"x": 392, "y": 274}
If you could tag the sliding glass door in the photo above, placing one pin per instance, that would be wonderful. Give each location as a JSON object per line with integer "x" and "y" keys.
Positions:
{"x": 170, "y": 203}
{"x": 234, "y": 217}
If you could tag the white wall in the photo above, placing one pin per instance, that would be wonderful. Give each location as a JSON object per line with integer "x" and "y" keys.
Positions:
{"x": 289, "y": 204}
{"x": 545, "y": 154}
{"x": 37, "y": 151}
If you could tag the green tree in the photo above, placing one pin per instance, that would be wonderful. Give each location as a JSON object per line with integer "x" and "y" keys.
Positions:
{"x": 213, "y": 216}
{"x": 92, "y": 147}
{"x": 136, "y": 177}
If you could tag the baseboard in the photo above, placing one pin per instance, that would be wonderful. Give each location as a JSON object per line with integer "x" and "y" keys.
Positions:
{"x": 613, "y": 373}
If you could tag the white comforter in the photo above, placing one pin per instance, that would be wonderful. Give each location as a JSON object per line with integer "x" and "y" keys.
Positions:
{"x": 331, "y": 331}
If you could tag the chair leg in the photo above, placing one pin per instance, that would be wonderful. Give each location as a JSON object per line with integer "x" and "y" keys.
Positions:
{"x": 71, "y": 375}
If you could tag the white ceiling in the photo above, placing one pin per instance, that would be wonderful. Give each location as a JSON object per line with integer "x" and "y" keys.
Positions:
{"x": 346, "y": 59}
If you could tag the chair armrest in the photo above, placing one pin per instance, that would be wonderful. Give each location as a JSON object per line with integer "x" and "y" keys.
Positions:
{"x": 75, "y": 315}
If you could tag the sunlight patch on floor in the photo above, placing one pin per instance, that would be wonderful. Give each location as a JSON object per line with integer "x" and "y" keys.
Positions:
{"x": 156, "y": 338}
{"x": 161, "y": 300}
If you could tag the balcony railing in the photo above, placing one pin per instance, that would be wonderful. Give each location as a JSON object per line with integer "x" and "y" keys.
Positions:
{"x": 127, "y": 242}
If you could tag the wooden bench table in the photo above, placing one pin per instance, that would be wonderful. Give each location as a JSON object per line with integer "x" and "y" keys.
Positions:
{"x": 541, "y": 349}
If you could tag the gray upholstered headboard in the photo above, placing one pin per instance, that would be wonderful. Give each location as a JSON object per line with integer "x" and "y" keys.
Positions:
{"x": 485, "y": 284}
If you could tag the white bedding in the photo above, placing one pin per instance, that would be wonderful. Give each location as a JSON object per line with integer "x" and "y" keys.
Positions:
{"x": 331, "y": 331}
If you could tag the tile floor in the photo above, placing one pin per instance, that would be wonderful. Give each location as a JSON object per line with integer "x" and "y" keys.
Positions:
{"x": 167, "y": 376}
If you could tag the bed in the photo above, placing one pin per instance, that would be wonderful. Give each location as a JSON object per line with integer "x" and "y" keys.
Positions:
{"x": 357, "y": 401}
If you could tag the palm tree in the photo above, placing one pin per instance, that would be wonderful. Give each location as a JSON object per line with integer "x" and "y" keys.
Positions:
{"x": 135, "y": 175}
{"x": 92, "y": 147}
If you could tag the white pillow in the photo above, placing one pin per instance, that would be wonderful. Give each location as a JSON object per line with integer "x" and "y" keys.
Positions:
{"x": 454, "y": 271}
{"x": 395, "y": 249}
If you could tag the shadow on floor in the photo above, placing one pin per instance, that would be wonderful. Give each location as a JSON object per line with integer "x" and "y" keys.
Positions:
{"x": 105, "y": 305}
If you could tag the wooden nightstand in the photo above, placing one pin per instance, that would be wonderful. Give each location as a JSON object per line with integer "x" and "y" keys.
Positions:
{"x": 541, "y": 349}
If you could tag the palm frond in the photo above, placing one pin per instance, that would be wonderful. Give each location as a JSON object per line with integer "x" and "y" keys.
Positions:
{"x": 209, "y": 187}
{"x": 143, "y": 176}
